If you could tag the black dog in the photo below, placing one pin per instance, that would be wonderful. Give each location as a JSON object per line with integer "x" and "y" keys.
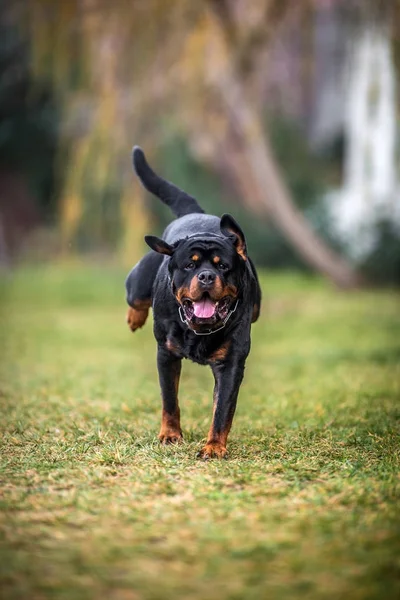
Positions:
{"x": 205, "y": 294}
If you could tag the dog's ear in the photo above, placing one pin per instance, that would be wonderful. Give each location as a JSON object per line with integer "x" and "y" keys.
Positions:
{"x": 158, "y": 245}
{"x": 229, "y": 227}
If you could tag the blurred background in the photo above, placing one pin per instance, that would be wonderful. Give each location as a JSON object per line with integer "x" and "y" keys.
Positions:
{"x": 284, "y": 113}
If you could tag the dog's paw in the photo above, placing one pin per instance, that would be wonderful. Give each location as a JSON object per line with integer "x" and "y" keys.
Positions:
{"x": 136, "y": 318}
{"x": 170, "y": 437}
{"x": 212, "y": 450}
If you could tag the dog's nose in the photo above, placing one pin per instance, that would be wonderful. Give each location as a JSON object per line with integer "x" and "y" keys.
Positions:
{"x": 206, "y": 278}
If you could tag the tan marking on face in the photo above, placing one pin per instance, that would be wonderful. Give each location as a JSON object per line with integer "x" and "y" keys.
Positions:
{"x": 216, "y": 260}
{"x": 182, "y": 293}
{"x": 195, "y": 292}
{"x": 195, "y": 257}
{"x": 220, "y": 290}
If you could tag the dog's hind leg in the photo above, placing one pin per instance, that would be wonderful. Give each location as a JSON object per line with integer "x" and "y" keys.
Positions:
{"x": 139, "y": 285}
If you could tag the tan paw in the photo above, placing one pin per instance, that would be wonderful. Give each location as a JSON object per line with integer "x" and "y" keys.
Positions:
{"x": 170, "y": 436}
{"x": 136, "y": 318}
{"x": 212, "y": 450}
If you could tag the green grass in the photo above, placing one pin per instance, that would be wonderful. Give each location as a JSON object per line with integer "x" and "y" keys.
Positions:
{"x": 92, "y": 507}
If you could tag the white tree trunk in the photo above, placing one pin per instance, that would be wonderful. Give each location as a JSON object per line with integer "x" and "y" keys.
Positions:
{"x": 370, "y": 190}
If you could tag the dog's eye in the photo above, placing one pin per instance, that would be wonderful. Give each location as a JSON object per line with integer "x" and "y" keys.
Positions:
{"x": 222, "y": 266}
{"x": 190, "y": 266}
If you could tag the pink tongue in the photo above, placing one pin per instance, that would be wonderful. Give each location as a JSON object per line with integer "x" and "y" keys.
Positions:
{"x": 204, "y": 309}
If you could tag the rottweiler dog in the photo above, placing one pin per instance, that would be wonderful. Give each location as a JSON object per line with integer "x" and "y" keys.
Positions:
{"x": 205, "y": 294}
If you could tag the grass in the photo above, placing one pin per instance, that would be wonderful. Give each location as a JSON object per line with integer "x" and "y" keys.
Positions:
{"x": 92, "y": 507}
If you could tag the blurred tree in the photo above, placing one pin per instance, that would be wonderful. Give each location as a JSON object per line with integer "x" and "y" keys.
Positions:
{"x": 83, "y": 44}
{"x": 305, "y": 173}
{"x": 235, "y": 43}
{"x": 142, "y": 71}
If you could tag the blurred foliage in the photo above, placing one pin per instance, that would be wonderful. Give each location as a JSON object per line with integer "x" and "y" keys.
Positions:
{"x": 74, "y": 96}
{"x": 382, "y": 264}
{"x": 305, "y": 173}
{"x": 29, "y": 118}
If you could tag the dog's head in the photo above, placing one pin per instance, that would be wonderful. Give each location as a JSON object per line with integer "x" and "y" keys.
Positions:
{"x": 206, "y": 271}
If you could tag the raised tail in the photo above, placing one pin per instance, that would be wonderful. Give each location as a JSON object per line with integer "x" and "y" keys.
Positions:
{"x": 179, "y": 202}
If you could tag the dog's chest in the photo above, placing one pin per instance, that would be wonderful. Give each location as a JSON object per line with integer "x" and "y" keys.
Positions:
{"x": 199, "y": 349}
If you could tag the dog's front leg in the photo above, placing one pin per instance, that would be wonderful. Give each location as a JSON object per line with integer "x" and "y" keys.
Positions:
{"x": 228, "y": 378}
{"x": 169, "y": 371}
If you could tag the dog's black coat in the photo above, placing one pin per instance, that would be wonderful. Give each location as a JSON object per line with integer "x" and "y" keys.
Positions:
{"x": 200, "y": 264}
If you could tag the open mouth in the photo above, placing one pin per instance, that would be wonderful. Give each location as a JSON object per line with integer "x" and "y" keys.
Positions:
{"x": 207, "y": 309}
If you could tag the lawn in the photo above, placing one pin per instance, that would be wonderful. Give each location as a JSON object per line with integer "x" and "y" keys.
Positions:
{"x": 92, "y": 507}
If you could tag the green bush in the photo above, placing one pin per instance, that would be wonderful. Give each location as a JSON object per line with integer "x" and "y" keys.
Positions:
{"x": 382, "y": 264}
